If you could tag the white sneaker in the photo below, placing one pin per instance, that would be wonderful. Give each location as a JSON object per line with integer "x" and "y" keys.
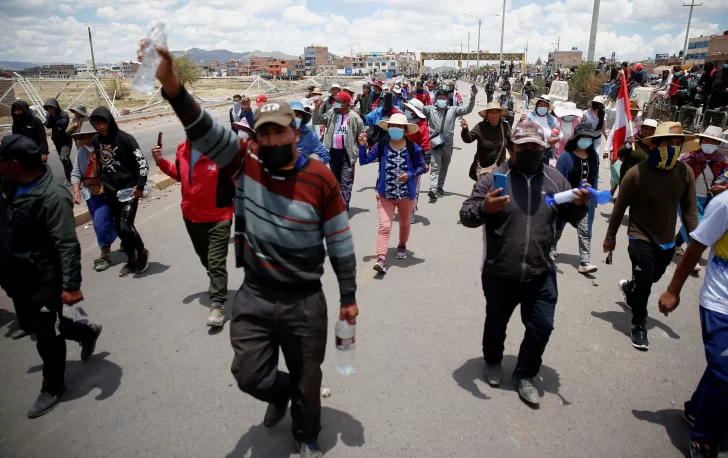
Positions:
{"x": 697, "y": 268}
{"x": 217, "y": 316}
{"x": 623, "y": 290}
{"x": 587, "y": 268}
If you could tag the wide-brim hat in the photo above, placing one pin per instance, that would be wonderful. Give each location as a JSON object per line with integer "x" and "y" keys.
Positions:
{"x": 584, "y": 129}
{"x": 317, "y": 91}
{"x": 567, "y": 109}
{"x": 634, "y": 105}
{"x": 243, "y": 124}
{"x": 86, "y": 129}
{"x": 666, "y": 130}
{"x": 599, "y": 99}
{"x": 80, "y": 109}
{"x": 417, "y": 107}
{"x": 335, "y": 86}
{"x": 494, "y": 105}
{"x": 650, "y": 123}
{"x": 543, "y": 99}
{"x": 297, "y": 106}
{"x": 713, "y": 133}
{"x": 399, "y": 118}
{"x": 377, "y": 83}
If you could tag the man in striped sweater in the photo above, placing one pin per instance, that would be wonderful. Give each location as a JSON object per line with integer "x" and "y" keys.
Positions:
{"x": 286, "y": 206}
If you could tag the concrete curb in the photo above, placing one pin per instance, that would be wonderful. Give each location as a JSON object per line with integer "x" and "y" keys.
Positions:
{"x": 158, "y": 181}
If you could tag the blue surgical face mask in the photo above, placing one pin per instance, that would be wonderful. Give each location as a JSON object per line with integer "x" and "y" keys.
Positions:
{"x": 410, "y": 115}
{"x": 584, "y": 143}
{"x": 298, "y": 122}
{"x": 567, "y": 118}
{"x": 677, "y": 73}
{"x": 336, "y": 105}
{"x": 542, "y": 111}
{"x": 725, "y": 66}
{"x": 441, "y": 103}
{"x": 396, "y": 133}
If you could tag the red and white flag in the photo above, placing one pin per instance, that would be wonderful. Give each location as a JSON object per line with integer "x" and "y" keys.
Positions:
{"x": 622, "y": 120}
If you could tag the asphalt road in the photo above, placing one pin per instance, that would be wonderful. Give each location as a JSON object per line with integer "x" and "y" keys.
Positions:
{"x": 159, "y": 384}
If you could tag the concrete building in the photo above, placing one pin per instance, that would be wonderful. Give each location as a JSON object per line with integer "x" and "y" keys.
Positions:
{"x": 277, "y": 67}
{"x": 718, "y": 49}
{"x": 315, "y": 56}
{"x": 381, "y": 63}
{"x": 565, "y": 59}
{"x": 697, "y": 50}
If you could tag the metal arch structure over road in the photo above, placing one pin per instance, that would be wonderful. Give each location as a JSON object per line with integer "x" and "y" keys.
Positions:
{"x": 460, "y": 56}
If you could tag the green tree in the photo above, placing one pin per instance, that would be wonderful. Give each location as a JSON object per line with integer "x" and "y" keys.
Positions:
{"x": 186, "y": 69}
{"x": 585, "y": 84}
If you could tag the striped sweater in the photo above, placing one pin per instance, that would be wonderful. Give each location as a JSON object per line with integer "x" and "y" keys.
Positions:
{"x": 281, "y": 220}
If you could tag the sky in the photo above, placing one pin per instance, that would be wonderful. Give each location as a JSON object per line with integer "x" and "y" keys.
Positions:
{"x": 56, "y": 30}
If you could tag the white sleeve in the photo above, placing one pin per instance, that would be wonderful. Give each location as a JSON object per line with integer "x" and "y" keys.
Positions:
{"x": 714, "y": 223}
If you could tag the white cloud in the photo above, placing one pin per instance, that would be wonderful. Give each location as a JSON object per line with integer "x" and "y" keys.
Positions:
{"x": 299, "y": 14}
{"x": 662, "y": 26}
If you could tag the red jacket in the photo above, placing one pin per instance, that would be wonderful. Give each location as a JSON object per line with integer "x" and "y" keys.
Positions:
{"x": 207, "y": 196}
{"x": 422, "y": 137}
{"x": 423, "y": 97}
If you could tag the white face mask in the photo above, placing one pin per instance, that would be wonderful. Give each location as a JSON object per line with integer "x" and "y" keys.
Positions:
{"x": 244, "y": 135}
{"x": 708, "y": 149}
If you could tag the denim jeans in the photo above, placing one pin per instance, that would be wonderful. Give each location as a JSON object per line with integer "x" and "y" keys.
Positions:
{"x": 344, "y": 172}
{"x": 582, "y": 231}
{"x": 537, "y": 298}
{"x": 709, "y": 403}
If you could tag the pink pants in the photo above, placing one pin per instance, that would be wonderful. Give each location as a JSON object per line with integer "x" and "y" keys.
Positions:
{"x": 386, "y": 208}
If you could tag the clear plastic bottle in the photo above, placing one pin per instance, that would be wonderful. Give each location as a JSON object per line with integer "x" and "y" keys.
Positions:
{"x": 345, "y": 348}
{"x": 85, "y": 193}
{"x": 145, "y": 76}
{"x": 124, "y": 195}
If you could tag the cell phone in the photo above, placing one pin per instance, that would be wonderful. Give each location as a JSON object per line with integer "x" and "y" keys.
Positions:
{"x": 500, "y": 181}
{"x": 474, "y": 89}
{"x": 159, "y": 139}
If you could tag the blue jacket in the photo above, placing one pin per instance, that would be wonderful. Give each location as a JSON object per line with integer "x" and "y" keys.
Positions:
{"x": 413, "y": 170}
{"x": 374, "y": 116}
{"x": 309, "y": 143}
{"x": 565, "y": 165}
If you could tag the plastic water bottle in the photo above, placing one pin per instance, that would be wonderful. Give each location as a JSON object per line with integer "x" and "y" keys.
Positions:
{"x": 145, "y": 76}
{"x": 124, "y": 195}
{"x": 345, "y": 348}
{"x": 85, "y": 193}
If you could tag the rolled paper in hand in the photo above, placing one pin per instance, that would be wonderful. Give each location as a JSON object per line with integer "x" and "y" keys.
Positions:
{"x": 559, "y": 198}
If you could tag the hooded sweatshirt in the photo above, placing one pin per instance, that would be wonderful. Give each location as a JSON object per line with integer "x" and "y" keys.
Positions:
{"x": 121, "y": 162}
{"x": 30, "y": 126}
{"x": 58, "y": 124}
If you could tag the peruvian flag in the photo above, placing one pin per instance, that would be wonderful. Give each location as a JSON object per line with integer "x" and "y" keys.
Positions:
{"x": 623, "y": 118}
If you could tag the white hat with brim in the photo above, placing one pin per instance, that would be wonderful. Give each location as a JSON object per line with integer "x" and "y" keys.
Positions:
{"x": 599, "y": 99}
{"x": 397, "y": 89}
{"x": 399, "y": 118}
{"x": 650, "y": 123}
{"x": 335, "y": 86}
{"x": 567, "y": 109}
{"x": 417, "y": 107}
{"x": 713, "y": 133}
{"x": 668, "y": 130}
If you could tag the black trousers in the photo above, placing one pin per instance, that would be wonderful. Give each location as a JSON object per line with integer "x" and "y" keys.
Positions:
{"x": 52, "y": 330}
{"x": 124, "y": 214}
{"x": 265, "y": 320}
{"x": 537, "y": 298}
{"x": 649, "y": 262}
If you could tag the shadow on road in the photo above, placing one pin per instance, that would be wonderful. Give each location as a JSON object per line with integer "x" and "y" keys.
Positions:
{"x": 154, "y": 268}
{"x": 83, "y": 377}
{"x": 367, "y": 188}
{"x": 547, "y": 381}
{"x": 622, "y": 321}
{"x": 6, "y": 316}
{"x": 392, "y": 260}
{"x": 677, "y": 431}
{"x": 262, "y": 442}
{"x": 353, "y": 211}
{"x": 625, "y": 218}
{"x": 421, "y": 219}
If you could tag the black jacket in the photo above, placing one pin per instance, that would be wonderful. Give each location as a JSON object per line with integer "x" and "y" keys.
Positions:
{"x": 121, "y": 162}
{"x": 519, "y": 238}
{"x": 57, "y": 124}
{"x": 39, "y": 251}
{"x": 29, "y": 125}
{"x": 718, "y": 97}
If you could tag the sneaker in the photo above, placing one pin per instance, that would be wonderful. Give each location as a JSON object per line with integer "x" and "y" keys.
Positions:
{"x": 526, "y": 390}
{"x": 623, "y": 289}
{"x": 586, "y": 268}
{"x": 679, "y": 251}
{"x": 87, "y": 348}
{"x": 18, "y": 334}
{"x": 553, "y": 253}
{"x": 432, "y": 196}
{"x": 381, "y": 266}
{"x": 46, "y": 402}
{"x": 697, "y": 268}
{"x": 128, "y": 269}
{"x": 401, "y": 252}
{"x": 493, "y": 374}
{"x": 639, "y": 337}
{"x": 441, "y": 191}
{"x": 102, "y": 264}
{"x": 310, "y": 450}
{"x": 412, "y": 220}
{"x": 274, "y": 414}
{"x": 142, "y": 262}
{"x": 698, "y": 450}
{"x": 217, "y": 315}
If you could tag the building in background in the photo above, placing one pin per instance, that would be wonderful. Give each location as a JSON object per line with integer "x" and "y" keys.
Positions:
{"x": 381, "y": 63}
{"x": 718, "y": 49}
{"x": 565, "y": 59}
{"x": 277, "y": 67}
{"x": 697, "y": 50}
{"x": 314, "y": 56}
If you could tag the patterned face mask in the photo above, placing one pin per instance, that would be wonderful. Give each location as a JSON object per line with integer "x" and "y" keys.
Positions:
{"x": 664, "y": 156}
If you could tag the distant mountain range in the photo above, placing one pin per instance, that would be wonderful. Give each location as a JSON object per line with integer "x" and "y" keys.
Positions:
{"x": 17, "y": 65}
{"x": 223, "y": 55}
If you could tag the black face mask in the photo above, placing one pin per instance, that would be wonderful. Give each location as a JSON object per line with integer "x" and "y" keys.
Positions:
{"x": 276, "y": 157}
{"x": 528, "y": 161}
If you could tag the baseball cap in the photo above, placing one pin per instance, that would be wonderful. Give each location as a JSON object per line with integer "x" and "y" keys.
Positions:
{"x": 276, "y": 113}
{"x": 260, "y": 100}
{"x": 343, "y": 97}
{"x": 376, "y": 83}
{"x": 19, "y": 147}
{"x": 528, "y": 132}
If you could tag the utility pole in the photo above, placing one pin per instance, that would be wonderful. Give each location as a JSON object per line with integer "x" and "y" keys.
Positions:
{"x": 687, "y": 31}
{"x": 93, "y": 63}
{"x": 503, "y": 29}
{"x": 593, "y": 33}
{"x": 556, "y": 55}
{"x": 468, "y": 51}
{"x": 477, "y": 66}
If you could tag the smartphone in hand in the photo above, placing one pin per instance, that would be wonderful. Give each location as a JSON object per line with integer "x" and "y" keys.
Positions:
{"x": 159, "y": 139}
{"x": 500, "y": 181}
{"x": 474, "y": 88}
